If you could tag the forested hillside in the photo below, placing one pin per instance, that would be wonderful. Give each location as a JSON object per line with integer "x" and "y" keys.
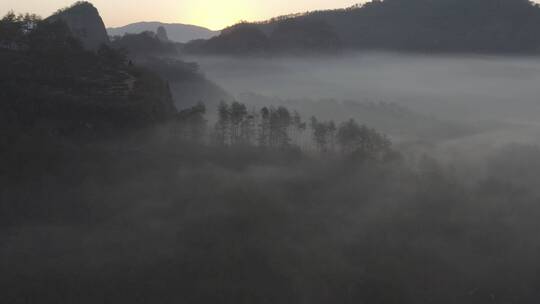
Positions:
{"x": 470, "y": 26}
{"x": 50, "y": 82}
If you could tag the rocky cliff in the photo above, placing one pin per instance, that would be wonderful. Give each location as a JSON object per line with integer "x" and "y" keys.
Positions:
{"x": 84, "y": 21}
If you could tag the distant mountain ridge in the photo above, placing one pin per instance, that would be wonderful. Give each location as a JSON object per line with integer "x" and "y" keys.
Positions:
{"x": 177, "y": 32}
{"x": 468, "y": 26}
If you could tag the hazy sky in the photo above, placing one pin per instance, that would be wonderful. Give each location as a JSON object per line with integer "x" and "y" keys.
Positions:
{"x": 214, "y": 14}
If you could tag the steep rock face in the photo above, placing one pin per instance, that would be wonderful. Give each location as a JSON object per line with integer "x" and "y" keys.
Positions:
{"x": 84, "y": 21}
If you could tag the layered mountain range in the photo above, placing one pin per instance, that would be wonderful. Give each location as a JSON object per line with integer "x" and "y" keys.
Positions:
{"x": 177, "y": 32}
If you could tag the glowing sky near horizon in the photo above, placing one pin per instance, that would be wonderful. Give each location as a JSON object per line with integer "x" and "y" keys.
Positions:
{"x": 214, "y": 14}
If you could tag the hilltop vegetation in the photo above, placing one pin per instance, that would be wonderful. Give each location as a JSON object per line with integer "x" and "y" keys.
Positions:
{"x": 289, "y": 36}
{"x": 50, "y": 81}
{"x": 470, "y": 26}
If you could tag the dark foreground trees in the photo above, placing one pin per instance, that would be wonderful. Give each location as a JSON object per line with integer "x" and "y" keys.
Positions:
{"x": 167, "y": 222}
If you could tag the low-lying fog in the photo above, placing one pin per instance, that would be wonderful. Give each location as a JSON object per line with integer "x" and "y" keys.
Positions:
{"x": 470, "y": 87}
{"x": 479, "y": 101}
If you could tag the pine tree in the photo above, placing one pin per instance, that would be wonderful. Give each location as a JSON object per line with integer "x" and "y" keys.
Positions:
{"x": 238, "y": 113}
{"x": 223, "y": 125}
{"x": 264, "y": 128}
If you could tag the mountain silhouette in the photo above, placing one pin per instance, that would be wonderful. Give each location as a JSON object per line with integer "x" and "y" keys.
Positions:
{"x": 176, "y": 32}
{"x": 469, "y": 26}
{"x": 85, "y": 23}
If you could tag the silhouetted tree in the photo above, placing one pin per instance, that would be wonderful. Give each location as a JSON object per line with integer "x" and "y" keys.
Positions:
{"x": 14, "y": 29}
{"x": 331, "y": 130}
{"x": 264, "y": 128}
{"x": 247, "y": 129}
{"x": 299, "y": 127}
{"x": 223, "y": 125}
{"x": 273, "y": 127}
{"x": 238, "y": 113}
{"x": 323, "y": 134}
{"x": 280, "y": 121}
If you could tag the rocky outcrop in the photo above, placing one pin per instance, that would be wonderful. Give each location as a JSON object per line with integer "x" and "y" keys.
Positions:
{"x": 85, "y": 23}
{"x": 161, "y": 34}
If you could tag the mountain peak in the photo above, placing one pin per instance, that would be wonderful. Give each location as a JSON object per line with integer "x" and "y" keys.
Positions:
{"x": 84, "y": 21}
{"x": 79, "y": 5}
{"x": 162, "y": 34}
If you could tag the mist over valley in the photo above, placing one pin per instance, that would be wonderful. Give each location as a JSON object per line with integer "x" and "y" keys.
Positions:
{"x": 324, "y": 157}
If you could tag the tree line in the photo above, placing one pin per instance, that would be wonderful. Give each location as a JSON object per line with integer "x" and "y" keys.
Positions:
{"x": 469, "y": 26}
{"x": 279, "y": 128}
